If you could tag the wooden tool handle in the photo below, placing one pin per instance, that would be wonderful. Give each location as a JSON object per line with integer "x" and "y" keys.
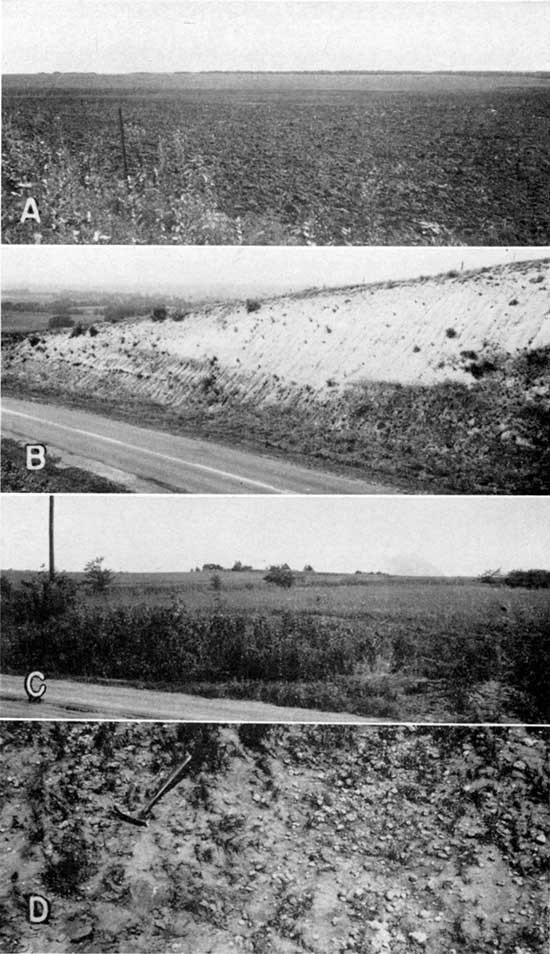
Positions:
{"x": 170, "y": 783}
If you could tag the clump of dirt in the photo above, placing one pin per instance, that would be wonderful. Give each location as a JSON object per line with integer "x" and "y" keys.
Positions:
{"x": 326, "y": 839}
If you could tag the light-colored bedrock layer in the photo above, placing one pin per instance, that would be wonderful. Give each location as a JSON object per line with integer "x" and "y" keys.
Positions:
{"x": 309, "y": 346}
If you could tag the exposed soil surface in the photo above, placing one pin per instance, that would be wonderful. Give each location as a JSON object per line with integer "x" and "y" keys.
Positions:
{"x": 333, "y": 159}
{"x": 284, "y": 839}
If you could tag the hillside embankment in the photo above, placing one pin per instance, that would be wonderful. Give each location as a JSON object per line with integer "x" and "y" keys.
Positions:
{"x": 439, "y": 382}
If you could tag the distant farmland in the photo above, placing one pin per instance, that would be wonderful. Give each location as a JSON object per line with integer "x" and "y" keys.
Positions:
{"x": 315, "y": 159}
{"x": 37, "y": 320}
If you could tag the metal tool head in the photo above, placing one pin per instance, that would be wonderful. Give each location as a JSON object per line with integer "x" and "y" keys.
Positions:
{"x": 131, "y": 819}
{"x": 167, "y": 786}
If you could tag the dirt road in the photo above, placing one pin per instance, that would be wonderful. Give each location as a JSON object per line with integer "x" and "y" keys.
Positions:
{"x": 65, "y": 699}
{"x": 180, "y": 464}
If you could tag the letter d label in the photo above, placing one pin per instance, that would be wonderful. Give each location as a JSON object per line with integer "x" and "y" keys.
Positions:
{"x": 36, "y": 456}
{"x": 39, "y": 909}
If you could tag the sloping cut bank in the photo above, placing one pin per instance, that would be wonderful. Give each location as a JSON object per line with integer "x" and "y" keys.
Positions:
{"x": 441, "y": 383}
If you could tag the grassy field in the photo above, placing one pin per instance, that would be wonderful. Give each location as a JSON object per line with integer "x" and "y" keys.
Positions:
{"x": 382, "y": 647}
{"x": 438, "y": 163}
{"x": 342, "y": 595}
{"x": 362, "y": 595}
{"x": 278, "y": 839}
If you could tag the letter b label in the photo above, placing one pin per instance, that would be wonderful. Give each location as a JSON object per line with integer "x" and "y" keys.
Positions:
{"x": 39, "y": 909}
{"x": 36, "y": 456}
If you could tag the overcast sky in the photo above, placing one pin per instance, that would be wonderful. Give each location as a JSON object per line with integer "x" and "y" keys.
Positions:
{"x": 449, "y": 535}
{"x": 225, "y": 271}
{"x": 120, "y": 36}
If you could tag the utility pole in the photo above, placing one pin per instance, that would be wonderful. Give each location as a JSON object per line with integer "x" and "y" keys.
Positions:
{"x": 52, "y": 559}
{"x": 123, "y": 143}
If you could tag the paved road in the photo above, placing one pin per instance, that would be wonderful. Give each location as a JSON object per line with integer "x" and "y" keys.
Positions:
{"x": 65, "y": 699}
{"x": 180, "y": 463}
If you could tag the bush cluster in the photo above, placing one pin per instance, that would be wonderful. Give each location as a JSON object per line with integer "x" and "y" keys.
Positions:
{"x": 530, "y": 579}
{"x": 60, "y": 321}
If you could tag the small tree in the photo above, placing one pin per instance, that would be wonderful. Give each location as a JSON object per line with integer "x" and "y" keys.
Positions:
{"x": 98, "y": 577}
{"x": 280, "y": 575}
{"x": 39, "y": 598}
{"x": 216, "y": 582}
{"x": 160, "y": 313}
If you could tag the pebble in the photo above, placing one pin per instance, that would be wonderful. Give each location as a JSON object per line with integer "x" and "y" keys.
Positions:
{"x": 419, "y": 936}
{"x": 79, "y": 929}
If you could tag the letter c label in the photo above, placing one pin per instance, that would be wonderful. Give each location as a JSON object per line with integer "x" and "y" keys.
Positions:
{"x": 35, "y": 692}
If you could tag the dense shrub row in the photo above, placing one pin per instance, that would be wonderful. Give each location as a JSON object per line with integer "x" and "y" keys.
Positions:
{"x": 172, "y": 645}
{"x": 530, "y": 579}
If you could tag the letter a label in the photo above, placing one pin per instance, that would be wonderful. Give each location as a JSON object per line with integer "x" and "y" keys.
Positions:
{"x": 30, "y": 211}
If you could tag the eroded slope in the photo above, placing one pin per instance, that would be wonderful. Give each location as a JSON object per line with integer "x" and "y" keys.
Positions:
{"x": 435, "y": 368}
{"x": 416, "y": 332}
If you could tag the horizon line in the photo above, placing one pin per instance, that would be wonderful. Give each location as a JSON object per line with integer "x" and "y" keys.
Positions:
{"x": 228, "y": 569}
{"x": 313, "y": 72}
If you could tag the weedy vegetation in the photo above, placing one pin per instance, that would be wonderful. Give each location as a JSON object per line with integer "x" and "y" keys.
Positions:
{"x": 387, "y": 648}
